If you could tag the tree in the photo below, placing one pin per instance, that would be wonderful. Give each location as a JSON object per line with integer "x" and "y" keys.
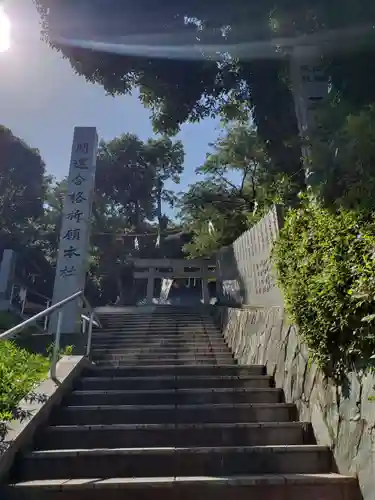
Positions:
{"x": 22, "y": 188}
{"x": 128, "y": 196}
{"x": 344, "y": 154}
{"x": 166, "y": 159}
{"x": 214, "y": 217}
{"x": 238, "y": 185}
{"x": 125, "y": 205}
{"x": 230, "y": 58}
{"x": 194, "y": 86}
{"x": 24, "y": 191}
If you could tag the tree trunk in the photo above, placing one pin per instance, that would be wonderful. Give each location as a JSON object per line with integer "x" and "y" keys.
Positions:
{"x": 275, "y": 118}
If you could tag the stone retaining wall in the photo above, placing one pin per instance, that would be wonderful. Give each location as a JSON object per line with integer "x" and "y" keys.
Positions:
{"x": 342, "y": 417}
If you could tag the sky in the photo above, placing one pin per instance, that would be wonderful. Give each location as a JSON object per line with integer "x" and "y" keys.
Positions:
{"x": 42, "y": 100}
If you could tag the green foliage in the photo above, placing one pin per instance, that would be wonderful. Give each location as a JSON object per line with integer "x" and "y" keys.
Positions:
{"x": 132, "y": 183}
{"x": 20, "y": 372}
{"x": 7, "y": 320}
{"x": 343, "y": 157}
{"x": 326, "y": 269}
{"x": 193, "y": 83}
{"x": 65, "y": 351}
{"x": 22, "y": 187}
{"x": 240, "y": 183}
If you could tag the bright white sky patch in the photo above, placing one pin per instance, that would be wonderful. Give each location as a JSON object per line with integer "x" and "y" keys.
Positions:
{"x": 4, "y": 31}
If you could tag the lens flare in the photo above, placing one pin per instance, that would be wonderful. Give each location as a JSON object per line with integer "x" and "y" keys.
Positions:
{"x": 4, "y": 31}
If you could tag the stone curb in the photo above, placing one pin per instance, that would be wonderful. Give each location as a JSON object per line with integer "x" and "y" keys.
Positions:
{"x": 21, "y": 433}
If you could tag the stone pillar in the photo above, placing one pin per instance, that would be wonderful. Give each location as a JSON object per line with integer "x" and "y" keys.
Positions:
{"x": 6, "y": 277}
{"x": 72, "y": 262}
{"x": 150, "y": 287}
{"x": 219, "y": 288}
{"x": 205, "y": 292}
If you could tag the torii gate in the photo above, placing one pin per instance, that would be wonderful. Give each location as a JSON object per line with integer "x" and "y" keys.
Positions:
{"x": 152, "y": 269}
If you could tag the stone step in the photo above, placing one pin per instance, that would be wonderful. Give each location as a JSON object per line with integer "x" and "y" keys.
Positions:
{"x": 115, "y": 343}
{"x": 168, "y": 318}
{"x": 154, "y": 462}
{"x": 175, "y": 396}
{"x": 183, "y": 414}
{"x": 168, "y": 382}
{"x": 160, "y": 349}
{"x": 169, "y": 311}
{"x": 157, "y": 362}
{"x": 148, "y": 338}
{"x": 161, "y": 327}
{"x": 161, "y": 324}
{"x": 150, "y": 353}
{"x": 128, "y": 342}
{"x": 166, "y": 359}
{"x": 167, "y": 325}
{"x": 255, "y": 487}
{"x": 135, "y": 435}
{"x": 188, "y": 320}
{"x": 131, "y": 352}
{"x": 160, "y": 330}
{"x": 176, "y": 371}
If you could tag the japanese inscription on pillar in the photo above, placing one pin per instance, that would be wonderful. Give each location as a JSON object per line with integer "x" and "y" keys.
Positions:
{"x": 246, "y": 268}
{"x": 75, "y": 231}
{"x": 310, "y": 88}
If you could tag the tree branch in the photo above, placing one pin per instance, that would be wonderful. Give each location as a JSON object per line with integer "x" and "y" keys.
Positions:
{"x": 228, "y": 182}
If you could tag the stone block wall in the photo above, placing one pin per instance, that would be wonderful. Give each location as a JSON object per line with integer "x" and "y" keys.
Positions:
{"x": 244, "y": 268}
{"x": 343, "y": 417}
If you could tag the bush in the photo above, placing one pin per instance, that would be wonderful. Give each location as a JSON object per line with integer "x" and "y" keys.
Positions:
{"x": 7, "y": 320}
{"x": 326, "y": 268}
{"x": 20, "y": 372}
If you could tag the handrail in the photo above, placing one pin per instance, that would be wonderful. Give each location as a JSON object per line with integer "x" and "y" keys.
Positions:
{"x": 30, "y": 290}
{"x": 91, "y": 310}
{"x": 49, "y": 300}
{"x": 46, "y": 312}
{"x": 42, "y": 314}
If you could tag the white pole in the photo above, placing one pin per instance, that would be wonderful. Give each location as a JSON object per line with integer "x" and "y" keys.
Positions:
{"x": 11, "y": 294}
{"x": 56, "y": 347}
{"x": 46, "y": 317}
{"x": 24, "y": 301}
{"x": 89, "y": 335}
{"x": 150, "y": 287}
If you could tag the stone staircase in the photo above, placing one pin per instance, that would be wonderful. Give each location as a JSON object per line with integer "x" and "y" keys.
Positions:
{"x": 165, "y": 412}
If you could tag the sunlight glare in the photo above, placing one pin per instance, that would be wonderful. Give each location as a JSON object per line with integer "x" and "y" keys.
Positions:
{"x": 4, "y": 31}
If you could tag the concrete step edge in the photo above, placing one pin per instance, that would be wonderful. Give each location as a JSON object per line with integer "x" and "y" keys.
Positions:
{"x": 204, "y": 344}
{"x": 194, "y": 367}
{"x": 166, "y": 427}
{"x": 147, "y": 334}
{"x": 236, "y": 390}
{"x": 161, "y": 348}
{"x": 138, "y": 360}
{"x": 179, "y": 377}
{"x": 128, "y": 363}
{"x": 158, "y": 356}
{"x": 164, "y": 334}
{"x": 207, "y": 482}
{"x": 192, "y": 338}
{"x": 167, "y": 450}
{"x": 178, "y": 407}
